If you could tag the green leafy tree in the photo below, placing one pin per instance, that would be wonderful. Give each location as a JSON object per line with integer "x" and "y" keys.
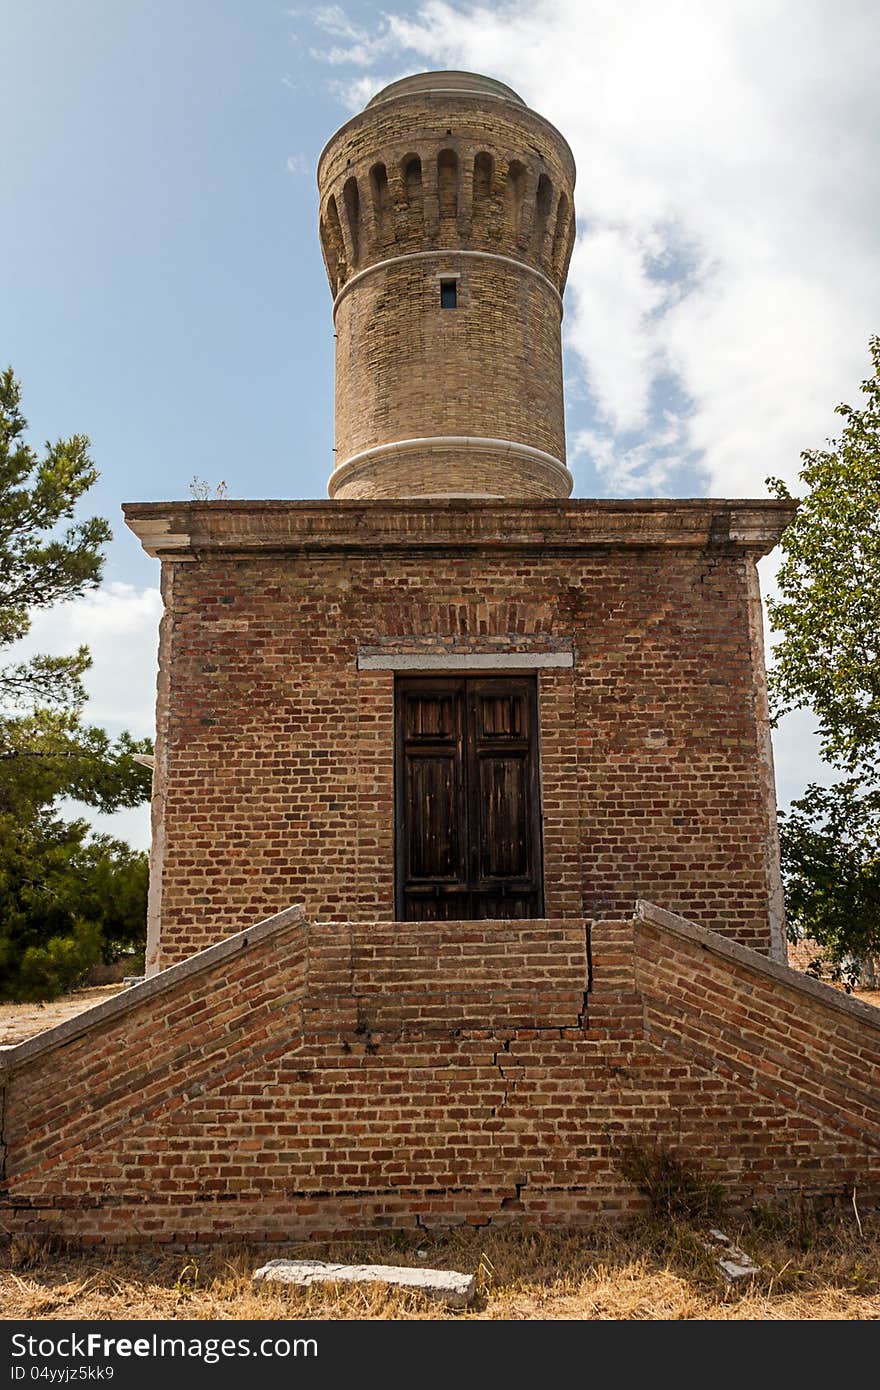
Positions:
{"x": 65, "y": 898}
{"x": 831, "y": 863}
{"x": 41, "y": 566}
{"x": 827, "y": 658}
{"x": 828, "y": 611}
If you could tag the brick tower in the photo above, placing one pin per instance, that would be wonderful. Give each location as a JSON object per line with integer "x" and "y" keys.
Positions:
{"x": 447, "y": 227}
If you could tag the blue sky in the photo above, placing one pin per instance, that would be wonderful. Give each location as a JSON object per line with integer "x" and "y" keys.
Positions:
{"x": 168, "y": 296}
{"x": 164, "y": 290}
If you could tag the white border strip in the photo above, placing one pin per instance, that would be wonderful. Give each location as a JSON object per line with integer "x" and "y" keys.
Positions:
{"x": 444, "y": 443}
{"x": 424, "y": 255}
{"x": 463, "y": 661}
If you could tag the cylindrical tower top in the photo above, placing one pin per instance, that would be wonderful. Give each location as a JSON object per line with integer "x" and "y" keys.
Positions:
{"x": 446, "y": 82}
{"x": 447, "y": 223}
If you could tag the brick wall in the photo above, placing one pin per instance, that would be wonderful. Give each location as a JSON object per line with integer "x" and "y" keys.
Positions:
{"x": 276, "y": 752}
{"x": 414, "y": 377}
{"x": 802, "y": 954}
{"x": 302, "y": 1079}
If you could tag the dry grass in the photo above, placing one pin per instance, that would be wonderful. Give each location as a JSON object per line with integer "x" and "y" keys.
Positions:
{"x": 21, "y": 1021}
{"x": 809, "y": 1269}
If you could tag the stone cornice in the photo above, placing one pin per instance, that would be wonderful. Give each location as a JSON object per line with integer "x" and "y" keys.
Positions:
{"x": 447, "y": 99}
{"x": 187, "y": 530}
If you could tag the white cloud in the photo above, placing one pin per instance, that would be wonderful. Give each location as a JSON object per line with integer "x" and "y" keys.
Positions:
{"x": 119, "y": 624}
{"x": 726, "y": 277}
{"x": 334, "y": 20}
{"x": 635, "y": 469}
{"x": 616, "y": 341}
{"x": 796, "y": 757}
{"x": 298, "y": 164}
{"x": 727, "y": 197}
{"x": 356, "y": 44}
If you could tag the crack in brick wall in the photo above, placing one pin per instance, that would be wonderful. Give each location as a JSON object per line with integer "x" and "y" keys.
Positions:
{"x": 342, "y": 1077}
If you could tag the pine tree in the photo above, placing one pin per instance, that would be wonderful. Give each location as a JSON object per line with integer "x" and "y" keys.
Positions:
{"x": 65, "y": 897}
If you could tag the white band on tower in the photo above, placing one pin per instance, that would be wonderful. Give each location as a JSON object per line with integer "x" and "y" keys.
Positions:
{"x": 445, "y": 254}
{"x": 449, "y": 443}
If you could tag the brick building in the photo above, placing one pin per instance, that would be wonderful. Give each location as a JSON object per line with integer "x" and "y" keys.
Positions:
{"x": 507, "y": 751}
{"x": 588, "y": 675}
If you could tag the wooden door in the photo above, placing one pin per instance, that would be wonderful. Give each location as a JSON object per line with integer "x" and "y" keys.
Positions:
{"x": 467, "y": 814}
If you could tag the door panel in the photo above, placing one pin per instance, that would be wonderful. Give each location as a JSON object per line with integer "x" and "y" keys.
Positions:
{"x": 428, "y": 906}
{"x": 501, "y": 716}
{"x": 506, "y": 906}
{"x": 435, "y": 829}
{"x": 467, "y": 816}
{"x": 431, "y": 716}
{"x": 502, "y": 809}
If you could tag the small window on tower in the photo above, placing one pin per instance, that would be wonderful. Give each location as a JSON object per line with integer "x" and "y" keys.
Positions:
{"x": 448, "y": 294}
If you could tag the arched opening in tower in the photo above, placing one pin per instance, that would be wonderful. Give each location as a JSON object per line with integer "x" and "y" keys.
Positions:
{"x": 447, "y": 191}
{"x": 352, "y": 202}
{"x": 482, "y": 192}
{"x": 543, "y": 205}
{"x": 412, "y": 194}
{"x": 515, "y": 192}
{"x": 381, "y": 204}
{"x": 560, "y": 236}
{"x": 333, "y": 244}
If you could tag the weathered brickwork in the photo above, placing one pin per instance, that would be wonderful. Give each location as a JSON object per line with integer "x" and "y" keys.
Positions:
{"x": 506, "y": 322}
{"x": 285, "y": 1079}
{"x": 460, "y": 202}
{"x": 306, "y": 1080}
{"x": 430, "y": 183}
{"x": 276, "y": 751}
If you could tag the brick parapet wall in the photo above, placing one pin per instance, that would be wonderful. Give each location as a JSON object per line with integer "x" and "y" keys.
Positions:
{"x": 786, "y": 1036}
{"x": 301, "y": 1079}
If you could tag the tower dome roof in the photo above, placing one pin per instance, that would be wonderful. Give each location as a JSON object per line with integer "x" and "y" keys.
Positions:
{"x": 428, "y": 82}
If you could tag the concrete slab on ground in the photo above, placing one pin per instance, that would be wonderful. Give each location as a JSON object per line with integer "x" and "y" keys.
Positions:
{"x": 445, "y": 1285}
